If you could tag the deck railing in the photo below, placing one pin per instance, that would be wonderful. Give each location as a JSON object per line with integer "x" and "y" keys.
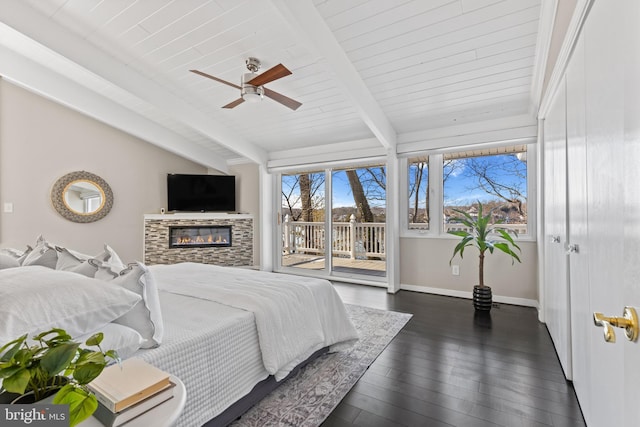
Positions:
{"x": 456, "y": 226}
{"x": 356, "y": 240}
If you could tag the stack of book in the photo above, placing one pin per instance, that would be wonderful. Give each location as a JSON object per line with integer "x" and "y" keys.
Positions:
{"x": 128, "y": 390}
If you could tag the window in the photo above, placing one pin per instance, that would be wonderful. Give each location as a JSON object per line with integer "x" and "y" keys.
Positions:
{"x": 418, "y": 208}
{"x": 496, "y": 176}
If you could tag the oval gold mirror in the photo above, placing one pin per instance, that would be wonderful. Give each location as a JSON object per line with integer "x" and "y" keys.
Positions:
{"x": 82, "y": 197}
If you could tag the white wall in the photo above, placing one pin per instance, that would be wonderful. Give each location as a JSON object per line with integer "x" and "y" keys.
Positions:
{"x": 41, "y": 140}
{"x": 424, "y": 266}
{"x": 248, "y": 199}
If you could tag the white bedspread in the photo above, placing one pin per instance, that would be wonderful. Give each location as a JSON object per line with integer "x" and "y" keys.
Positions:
{"x": 295, "y": 316}
{"x": 213, "y": 349}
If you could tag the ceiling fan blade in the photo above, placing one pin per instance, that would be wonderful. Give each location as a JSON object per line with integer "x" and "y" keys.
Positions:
{"x": 284, "y": 100}
{"x": 234, "y": 103}
{"x": 273, "y": 73}
{"x": 209, "y": 76}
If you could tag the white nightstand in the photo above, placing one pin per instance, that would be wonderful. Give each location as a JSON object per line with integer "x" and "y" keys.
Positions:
{"x": 164, "y": 415}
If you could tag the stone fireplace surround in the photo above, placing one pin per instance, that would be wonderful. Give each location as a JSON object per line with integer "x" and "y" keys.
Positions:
{"x": 156, "y": 239}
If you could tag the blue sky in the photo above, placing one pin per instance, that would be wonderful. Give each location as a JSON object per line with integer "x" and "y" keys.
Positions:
{"x": 461, "y": 188}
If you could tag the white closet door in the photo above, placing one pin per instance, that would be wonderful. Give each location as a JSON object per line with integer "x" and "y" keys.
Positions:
{"x": 581, "y": 321}
{"x": 602, "y": 89}
{"x": 557, "y": 305}
{"x": 631, "y": 188}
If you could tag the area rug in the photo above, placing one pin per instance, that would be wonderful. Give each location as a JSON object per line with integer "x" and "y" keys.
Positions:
{"x": 308, "y": 398}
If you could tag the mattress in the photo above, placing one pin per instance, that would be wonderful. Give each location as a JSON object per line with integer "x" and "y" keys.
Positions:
{"x": 213, "y": 349}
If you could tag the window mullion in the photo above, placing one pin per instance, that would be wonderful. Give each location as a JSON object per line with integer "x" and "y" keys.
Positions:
{"x": 436, "y": 198}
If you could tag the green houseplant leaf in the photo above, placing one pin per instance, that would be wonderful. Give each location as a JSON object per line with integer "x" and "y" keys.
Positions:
{"x": 81, "y": 403}
{"x": 17, "y": 382}
{"x": 58, "y": 358}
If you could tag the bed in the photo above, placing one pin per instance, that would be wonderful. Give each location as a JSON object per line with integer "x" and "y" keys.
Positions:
{"x": 230, "y": 334}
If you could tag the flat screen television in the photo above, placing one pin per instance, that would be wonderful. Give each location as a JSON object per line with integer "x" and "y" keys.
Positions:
{"x": 201, "y": 193}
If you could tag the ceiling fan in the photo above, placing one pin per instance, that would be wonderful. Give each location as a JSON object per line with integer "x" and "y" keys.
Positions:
{"x": 252, "y": 85}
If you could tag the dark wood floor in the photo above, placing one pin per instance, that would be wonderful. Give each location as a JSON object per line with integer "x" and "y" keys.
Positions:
{"x": 448, "y": 367}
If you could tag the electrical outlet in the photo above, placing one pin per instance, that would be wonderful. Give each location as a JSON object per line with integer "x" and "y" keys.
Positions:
{"x": 455, "y": 270}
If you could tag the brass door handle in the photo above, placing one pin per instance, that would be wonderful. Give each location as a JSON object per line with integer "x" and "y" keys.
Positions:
{"x": 628, "y": 321}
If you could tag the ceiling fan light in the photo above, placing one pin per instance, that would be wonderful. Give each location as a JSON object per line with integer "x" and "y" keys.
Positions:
{"x": 252, "y": 97}
{"x": 252, "y": 93}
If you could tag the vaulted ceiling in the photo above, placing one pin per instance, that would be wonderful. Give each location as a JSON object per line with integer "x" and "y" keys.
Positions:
{"x": 365, "y": 71}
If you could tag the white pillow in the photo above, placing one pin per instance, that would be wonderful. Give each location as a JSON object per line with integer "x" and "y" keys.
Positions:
{"x": 14, "y": 253}
{"x": 86, "y": 268}
{"x": 25, "y": 254}
{"x": 120, "y": 338}
{"x": 146, "y": 316}
{"x": 43, "y": 253}
{"x": 8, "y": 261}
{"x": 67, "y": 260}
{"x": 110, "y": 263}
{"x": 35, "y": 299}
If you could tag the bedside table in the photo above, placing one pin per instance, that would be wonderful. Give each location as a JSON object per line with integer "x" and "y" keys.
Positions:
{"x": 165, "y": 414}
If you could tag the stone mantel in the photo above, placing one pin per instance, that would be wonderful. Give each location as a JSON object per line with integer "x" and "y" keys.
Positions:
{"x": 156, "y": 239}
{"x": 198, "y": 215}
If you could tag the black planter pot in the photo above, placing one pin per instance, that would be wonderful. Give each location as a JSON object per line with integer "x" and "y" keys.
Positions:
{"x": 29, "y": 397}
{"x": 482, "y": 298}
{"x": 6, "y": 397}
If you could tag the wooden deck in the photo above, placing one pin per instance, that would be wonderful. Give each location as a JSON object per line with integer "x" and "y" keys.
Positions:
{"x": 344, "y": 265}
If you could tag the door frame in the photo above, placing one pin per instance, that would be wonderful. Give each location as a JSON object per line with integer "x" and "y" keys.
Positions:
{"x": 391, "y": 281}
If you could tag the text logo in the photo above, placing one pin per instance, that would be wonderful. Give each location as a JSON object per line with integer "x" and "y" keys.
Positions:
{"x": 36, "y": 415}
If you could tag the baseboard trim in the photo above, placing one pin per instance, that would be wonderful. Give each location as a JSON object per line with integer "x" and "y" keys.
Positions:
{"x": 468, "y": 295}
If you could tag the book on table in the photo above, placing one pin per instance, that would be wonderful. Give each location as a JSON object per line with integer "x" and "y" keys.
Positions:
{"x": 122, "y": 385}
{"x": 115, "y": 419}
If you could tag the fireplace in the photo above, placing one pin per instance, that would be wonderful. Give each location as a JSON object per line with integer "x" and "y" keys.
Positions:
{"x": 200, "y": 236}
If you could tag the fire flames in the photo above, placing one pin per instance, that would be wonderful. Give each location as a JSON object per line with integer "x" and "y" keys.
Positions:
{"x": 200, "y": 240}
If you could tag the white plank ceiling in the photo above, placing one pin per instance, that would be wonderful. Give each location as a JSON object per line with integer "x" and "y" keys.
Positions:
{"x": 362, "y": 69}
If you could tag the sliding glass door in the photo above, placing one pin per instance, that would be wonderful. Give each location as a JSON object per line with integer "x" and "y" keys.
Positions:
{"x": 303, "y": 220}
{"x": 333, "y": 221}
{"x": 358, "y": 221}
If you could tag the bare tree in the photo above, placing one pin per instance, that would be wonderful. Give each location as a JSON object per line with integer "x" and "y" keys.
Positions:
{"x": 289, "y": 195}
{"x": 305, "y": 197}
{"x": 503, "y": 179}
{"x": 415, "y": 182}
{"x": 451, "y": 167}
{"x": 301, "y": 195}
{"x": 359, "y": 197}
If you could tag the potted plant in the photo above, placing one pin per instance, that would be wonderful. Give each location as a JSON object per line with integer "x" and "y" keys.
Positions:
{"x": 484, "y": 234}
{"x": 52, "y": 363}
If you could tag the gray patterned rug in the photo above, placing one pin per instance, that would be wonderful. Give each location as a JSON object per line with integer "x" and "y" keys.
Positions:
{"x": 308, "y": 398}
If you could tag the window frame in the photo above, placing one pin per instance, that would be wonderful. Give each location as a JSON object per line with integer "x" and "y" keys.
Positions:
{"x": 436, "y": 192}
